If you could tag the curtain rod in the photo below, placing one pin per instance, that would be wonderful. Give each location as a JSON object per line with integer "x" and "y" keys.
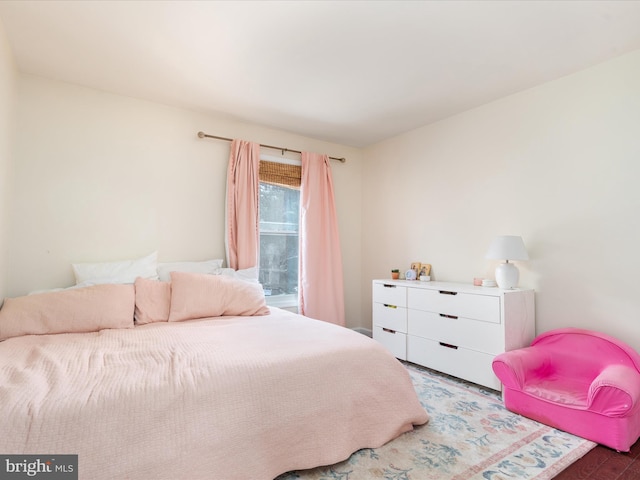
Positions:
{"x": 203, "y": 135}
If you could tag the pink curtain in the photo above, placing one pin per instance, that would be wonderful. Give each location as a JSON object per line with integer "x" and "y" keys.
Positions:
{"x": 243, "y": 189}
{"x": 321, "y": 292}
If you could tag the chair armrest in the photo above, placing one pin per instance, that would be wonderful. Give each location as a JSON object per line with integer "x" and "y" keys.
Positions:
{"x": 515, "y": 366}
{"x": 615, "y": 391}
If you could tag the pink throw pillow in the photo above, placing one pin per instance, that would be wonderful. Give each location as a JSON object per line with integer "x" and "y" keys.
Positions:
{"x": 77, "y": 310}
{"x": 195, "y": 295}
{"x": 153, "y": 299}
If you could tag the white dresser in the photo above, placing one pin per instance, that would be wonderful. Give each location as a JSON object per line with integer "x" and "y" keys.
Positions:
{"x": 454, "y": 328}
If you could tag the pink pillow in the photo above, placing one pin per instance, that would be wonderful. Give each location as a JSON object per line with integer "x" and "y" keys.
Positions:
{"x": 153, "y": 299}
{"x": 196, "y": 295}
{"x": 76, "y": 310}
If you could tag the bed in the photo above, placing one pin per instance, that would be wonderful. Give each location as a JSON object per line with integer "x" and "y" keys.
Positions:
{"x": 246, "y": 396}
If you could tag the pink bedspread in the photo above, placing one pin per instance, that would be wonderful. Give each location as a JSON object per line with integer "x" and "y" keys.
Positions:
{"x": 216, "y": 399}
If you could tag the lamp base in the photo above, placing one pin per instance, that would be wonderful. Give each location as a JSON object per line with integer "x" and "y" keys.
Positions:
{"x": 507, "y": 276}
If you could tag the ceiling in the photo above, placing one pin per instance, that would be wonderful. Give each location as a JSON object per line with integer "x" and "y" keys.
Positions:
{"x": 349, "y": 72}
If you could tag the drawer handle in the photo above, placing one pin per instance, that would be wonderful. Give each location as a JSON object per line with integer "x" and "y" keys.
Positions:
{"x": 446, "y": 292}
{"x": 389, "y": 306}
{"x": 448, "y": 345}
{"x": 455, "y": 317}
{"x": 387, "y": 285}
{"x": 388, "y": 330}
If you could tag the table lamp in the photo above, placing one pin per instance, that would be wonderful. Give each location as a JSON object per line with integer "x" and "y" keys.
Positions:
{"x": 507, "y": 247}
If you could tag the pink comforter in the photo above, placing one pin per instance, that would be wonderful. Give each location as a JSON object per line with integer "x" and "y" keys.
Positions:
{"x": 224, "y": 398}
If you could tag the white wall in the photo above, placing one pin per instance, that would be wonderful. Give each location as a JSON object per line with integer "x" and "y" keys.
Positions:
{"x": 102, "y": 177}
{"x": 8, "y": 75}
{"x": 558, "y": 164}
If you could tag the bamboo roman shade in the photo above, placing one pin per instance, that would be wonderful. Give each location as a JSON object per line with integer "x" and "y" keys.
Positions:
{"x": 280, "y": 174}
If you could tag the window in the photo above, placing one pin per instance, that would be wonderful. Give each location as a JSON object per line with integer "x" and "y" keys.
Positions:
{"x": 279, "y": 217}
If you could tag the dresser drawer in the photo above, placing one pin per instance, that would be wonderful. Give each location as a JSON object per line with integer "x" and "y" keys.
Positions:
{"x": 480, "y": 336}
{"x": 390, "y": 294}
{"x": 457, "y": 304}
{"x": 459, "y": 362}
{"x": 390, "y": 316}
{"x": 395, "y": 342}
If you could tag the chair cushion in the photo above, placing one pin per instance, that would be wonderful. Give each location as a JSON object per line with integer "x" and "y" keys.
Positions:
{"x": 561, "y": 390}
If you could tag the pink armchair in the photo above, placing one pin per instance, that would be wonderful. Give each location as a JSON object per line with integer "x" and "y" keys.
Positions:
{"x": 583, "y": 382}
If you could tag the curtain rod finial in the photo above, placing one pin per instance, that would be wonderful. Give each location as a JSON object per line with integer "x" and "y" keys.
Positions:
{"x": 201, "y": 134}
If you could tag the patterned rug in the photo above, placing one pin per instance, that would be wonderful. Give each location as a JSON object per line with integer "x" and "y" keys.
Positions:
{"x": 470, "y": 435}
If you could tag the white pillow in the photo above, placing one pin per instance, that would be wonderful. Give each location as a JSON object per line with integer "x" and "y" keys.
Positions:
{"x": 247, "y": 274}
{"x": 61, "y": 289}
{"x": 210, "y": 267}
{"x": 124, "y": 271}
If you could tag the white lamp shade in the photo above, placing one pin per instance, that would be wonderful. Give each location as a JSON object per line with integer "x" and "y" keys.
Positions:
{"x": 507, "y": 247}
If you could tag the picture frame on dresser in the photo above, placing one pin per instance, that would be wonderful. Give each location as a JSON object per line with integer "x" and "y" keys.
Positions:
{"x": 454, "y": 328}
{"x": 425, "y": 269}
{"x": 415, "y": 266}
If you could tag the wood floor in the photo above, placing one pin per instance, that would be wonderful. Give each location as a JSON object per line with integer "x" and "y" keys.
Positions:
{"x": 602, "y": 463}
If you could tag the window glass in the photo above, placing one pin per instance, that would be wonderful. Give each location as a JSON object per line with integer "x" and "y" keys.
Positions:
{"x": 279, "y": 216}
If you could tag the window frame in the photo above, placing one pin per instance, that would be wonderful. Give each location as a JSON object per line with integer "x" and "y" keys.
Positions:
{"x": 286, "y": 301}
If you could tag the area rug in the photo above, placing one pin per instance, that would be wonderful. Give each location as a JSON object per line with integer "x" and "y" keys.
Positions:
{"x": 470, "y": 435}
